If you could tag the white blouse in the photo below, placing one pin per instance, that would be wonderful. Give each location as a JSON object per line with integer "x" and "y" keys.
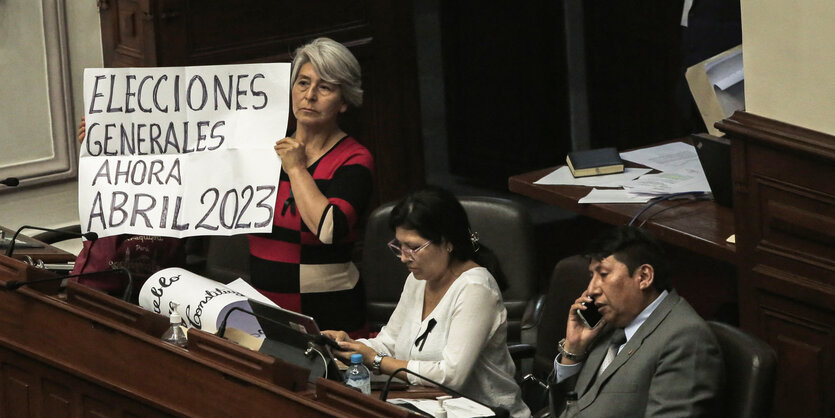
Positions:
{"x": 467, "y": 347}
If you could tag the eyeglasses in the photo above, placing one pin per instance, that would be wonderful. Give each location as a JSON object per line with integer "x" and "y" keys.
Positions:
{"x": 396, "y": 247}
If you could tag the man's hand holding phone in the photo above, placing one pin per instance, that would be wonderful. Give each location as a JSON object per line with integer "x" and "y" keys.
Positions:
{"x": 590, "y": 316}
{"x": 584, "y": 323}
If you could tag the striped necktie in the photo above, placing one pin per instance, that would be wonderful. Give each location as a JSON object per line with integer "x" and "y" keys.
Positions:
{"x": 618, "y": 338}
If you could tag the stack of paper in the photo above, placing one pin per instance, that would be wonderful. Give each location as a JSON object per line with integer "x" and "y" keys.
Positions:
{"x": 678, "y": 163}
{"x": 455, "y": 408}
{"x": 680, "y": 170}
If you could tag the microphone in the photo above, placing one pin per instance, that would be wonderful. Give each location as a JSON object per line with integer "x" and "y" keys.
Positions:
{"x": 11, "y": 182}
{"x": 16, "y": 284}
{"x": 497, "y": 411}
{"x": 91, "y": 236}
{"x": 318, "y": 339}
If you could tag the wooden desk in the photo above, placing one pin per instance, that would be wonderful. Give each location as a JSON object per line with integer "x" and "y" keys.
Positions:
{"x": 701, "y": 226}
{"x": 698, "y": 230}
{"x": 90, "y": 354}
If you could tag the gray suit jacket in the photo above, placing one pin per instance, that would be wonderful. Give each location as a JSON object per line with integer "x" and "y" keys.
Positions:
{"x": 671, "y": 367}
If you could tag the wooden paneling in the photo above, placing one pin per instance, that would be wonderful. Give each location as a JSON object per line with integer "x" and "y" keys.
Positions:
{"x": 33, "y": 389}
{"x": 124, "y": 32}
{"x": 784, "y": 201}
{"x": 803, "y": 341}
{"x": 92, "y": 355}
{"x": 17, "y": 386}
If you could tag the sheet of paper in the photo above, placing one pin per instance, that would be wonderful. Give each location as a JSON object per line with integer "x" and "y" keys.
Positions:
{"x": 181, "y": 151}
{"x": 680, "y": 166}
{"x": 674, "y": 156}
{"x": 727, "y": 71}
{"x": 613, "y": 196}
{"x": 455, "y": 408}
{"x": 241, "y": 286}
{"x": 668, "y": 182}
{"x": 562, "y": 176}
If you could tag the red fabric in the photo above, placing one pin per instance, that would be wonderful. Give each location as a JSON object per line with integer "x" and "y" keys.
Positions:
{"x": 142, "y": 255}
{"x": 282, "y": 251}
{"x": 344, "y": 175}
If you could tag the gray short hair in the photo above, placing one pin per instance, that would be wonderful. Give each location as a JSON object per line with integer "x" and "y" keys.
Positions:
{"x": 335, "y": 64}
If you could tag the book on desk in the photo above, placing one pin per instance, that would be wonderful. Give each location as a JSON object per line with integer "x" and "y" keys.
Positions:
{"x": 594, "y": 162}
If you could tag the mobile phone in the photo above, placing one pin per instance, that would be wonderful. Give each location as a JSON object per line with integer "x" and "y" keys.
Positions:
{"x": 591, "y": 316}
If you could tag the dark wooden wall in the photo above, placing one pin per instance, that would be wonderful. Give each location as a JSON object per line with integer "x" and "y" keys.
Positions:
{"x": 634, "y": 67}
{"x": 507, "y": 94}
{"x": 504, "y": 70}
{"x": 506, "y": 104}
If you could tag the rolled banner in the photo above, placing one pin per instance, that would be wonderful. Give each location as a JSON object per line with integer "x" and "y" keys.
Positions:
{"x": 201, "y": 302}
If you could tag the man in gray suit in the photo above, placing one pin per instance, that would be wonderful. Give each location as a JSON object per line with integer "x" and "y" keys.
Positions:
{"x": 651, "y": 354}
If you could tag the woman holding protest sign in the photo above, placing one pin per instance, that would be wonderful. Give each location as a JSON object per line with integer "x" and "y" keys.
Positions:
{"x": 324, "y": 189}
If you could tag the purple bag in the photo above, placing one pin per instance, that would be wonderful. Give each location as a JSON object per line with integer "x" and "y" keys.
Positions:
{"x": 142, "y": 255}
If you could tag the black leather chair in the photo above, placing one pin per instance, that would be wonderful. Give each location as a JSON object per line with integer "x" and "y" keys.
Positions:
{"x": 382, "y": 274}
{"x": 568, "y": 280}
{"x": 219, "y": 258}
{"x": 503, "y": 225}
{"x": 750, "y": 367}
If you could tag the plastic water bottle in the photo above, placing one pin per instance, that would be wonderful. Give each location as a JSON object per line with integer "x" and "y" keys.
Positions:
{"x": 176, "y": 332}
{"x": 357, "y": 376}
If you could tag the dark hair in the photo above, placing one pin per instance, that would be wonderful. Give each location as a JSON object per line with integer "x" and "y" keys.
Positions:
{"x": 633, "y": 247}
{"x": 437, "y": 215}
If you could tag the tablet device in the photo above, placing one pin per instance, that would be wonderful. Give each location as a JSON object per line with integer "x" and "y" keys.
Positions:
{"x": 289, "y": 335}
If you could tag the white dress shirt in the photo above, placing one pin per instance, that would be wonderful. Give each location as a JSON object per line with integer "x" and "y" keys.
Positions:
{"x": 466, "y": 349}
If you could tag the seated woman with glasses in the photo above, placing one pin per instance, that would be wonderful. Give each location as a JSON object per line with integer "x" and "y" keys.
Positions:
{"x": 450, "y": 324}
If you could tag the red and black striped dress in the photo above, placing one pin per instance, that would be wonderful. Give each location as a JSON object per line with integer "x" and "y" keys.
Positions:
{"x": 314, "y": 274}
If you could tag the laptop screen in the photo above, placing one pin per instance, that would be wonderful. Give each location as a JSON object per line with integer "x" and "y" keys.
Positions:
{"x": 290, "y": 335}
{"x": 294, "y": 320}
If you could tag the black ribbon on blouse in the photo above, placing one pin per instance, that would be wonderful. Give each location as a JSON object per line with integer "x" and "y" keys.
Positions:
{"x": 422, "y": 339}
{"x": 289, "y": 203}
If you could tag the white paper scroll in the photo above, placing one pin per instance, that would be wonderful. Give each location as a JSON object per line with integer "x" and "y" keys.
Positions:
{"x": 182, "y": 151}
{"x": 201, "y": 302}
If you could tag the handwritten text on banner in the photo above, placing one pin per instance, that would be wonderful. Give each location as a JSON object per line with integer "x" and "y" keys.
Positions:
{"x": 182, "y": 151}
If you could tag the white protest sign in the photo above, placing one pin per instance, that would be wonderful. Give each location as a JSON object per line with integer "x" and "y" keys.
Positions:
{"x": 182, "y": 151}
{"x": 202, "y": 303}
